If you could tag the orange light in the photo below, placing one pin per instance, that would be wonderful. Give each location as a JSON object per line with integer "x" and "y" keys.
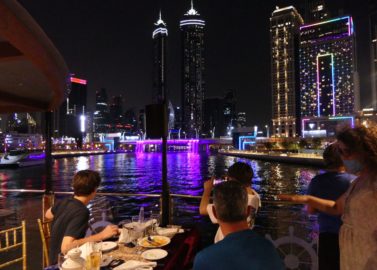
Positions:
{"x": 77, "y": 80}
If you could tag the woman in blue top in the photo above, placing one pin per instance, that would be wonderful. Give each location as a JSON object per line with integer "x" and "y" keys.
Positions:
{"x": 329, "y": 185}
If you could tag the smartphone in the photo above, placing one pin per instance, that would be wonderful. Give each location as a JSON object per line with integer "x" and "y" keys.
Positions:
{"x": 219, "y": 180}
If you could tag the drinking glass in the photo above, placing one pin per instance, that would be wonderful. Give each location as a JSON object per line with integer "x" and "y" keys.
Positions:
{"x": 155, "y": 217}
{"x": 135, "y": 234}
{"x": 61, "y": 260}
{"x": 94, "y": 257}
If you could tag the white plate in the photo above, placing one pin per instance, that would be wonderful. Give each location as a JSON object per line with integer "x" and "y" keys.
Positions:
{"x": 107, "y": 246}
{"x": 157, "y": 241}
{"x": 154, "y": 254}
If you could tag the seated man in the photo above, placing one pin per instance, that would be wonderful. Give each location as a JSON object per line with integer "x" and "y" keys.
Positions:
{"x": 241, "y": 248}
{"x": 71, "y": 216}
{"x": 242, "y": 173}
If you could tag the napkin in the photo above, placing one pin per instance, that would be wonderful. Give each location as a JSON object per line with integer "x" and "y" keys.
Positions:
{"x": 86, "y": 249}
{"x": 132, "y": 264}
{"x": 168, "y": 231}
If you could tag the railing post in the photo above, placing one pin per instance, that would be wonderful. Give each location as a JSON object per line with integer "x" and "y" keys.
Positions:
{"x": 48, "y": 150}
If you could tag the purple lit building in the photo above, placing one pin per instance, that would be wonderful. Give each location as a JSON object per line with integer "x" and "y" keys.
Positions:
{"x": 328, "y": 76}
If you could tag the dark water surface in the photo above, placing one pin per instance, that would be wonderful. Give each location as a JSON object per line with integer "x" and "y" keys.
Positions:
{"x": 141, "y": 173}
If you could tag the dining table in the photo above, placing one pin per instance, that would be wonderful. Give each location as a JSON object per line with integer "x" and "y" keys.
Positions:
{"x": 181, "y": 251}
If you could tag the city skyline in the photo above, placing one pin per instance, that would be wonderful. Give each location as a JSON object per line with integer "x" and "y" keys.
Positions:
{"x": 110, "y": 46}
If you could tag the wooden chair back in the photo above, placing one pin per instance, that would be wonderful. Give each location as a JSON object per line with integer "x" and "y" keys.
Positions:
{"x": 45, "y": 232}
{"x": 12, "y": 239}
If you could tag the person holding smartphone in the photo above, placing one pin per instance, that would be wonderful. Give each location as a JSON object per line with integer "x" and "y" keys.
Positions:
{"x": 242, "y": 173}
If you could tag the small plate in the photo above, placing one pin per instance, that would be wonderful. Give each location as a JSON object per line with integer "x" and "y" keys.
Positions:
{"x": 107, "y": 246}
{"x": 157, "y": 241}
{"x": 154, "y": 254}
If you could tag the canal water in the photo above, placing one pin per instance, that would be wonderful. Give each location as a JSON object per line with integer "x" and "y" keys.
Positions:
{"x": 141, "y": 173}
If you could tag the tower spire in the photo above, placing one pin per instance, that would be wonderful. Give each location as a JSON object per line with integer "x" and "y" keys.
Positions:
{"x": 160, "y": 15}
{"x": 192, "y": 4}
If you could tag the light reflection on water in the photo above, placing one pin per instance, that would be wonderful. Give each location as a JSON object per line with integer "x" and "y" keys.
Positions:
{"x": 141, "y": 173}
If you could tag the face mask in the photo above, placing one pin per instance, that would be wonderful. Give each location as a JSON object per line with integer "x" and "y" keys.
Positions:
{"x": 352, "y": 165}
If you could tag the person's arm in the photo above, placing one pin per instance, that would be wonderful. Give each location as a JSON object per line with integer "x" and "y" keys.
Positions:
{"x": 70, "y": 242}
{"x": 326, "y": 206}
{"x": 312, "y": 190}
{"x": 49, "y": 215}
{"x": 208, "y": 185}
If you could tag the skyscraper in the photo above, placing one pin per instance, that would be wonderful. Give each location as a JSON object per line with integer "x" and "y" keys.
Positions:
{"x": 315, "y": 11}
{"x": 67, "y": 119}
{"x": 159, "y": 36}
{"x": 328, "y": 75}
{"x": 373, "y": 44}
{"x": 192, "y": 34}
{"x": 101, "y": 114}
{"x": 284, "y": 31}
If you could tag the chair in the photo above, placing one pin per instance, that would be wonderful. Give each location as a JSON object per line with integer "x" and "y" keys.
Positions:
{"x": 45, "y": 231}
{"x": 9, "y": 240}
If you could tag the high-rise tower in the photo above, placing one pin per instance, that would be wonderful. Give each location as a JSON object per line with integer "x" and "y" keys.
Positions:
{"x": 328, "y": 75}
{"x": 101, "y": 113}
{"x": 315, "y": 11}
{"x": 373, "y": 45}
{"x": 159, "y": 36}
{"x": 192, "y": 33}
{"x": 284, "y": 31}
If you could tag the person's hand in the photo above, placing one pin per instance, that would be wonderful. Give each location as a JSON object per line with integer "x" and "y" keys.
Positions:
{"x": 208, "y": 185}
{"x": 109, "y": 231}
{"x": 293, "y": 198}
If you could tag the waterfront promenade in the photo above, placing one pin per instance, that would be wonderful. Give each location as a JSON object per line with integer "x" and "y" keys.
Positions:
{"x": 293, "y": 158}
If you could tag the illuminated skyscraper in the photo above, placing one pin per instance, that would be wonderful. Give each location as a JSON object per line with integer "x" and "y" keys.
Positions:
{"x": 315, "y": 11}
{"x": 373, "y": 35}
{"x": 159, "y": 36}
{"x": 67, "y": 119}
{"x": 101, "y": 114}
{"x": 328, "y": 75}
{"x": 192, "y": 33}
{"x": 284, "y": 30}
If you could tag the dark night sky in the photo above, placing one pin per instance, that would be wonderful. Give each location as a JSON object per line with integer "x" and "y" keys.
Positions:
{"x": 109, "y": 43}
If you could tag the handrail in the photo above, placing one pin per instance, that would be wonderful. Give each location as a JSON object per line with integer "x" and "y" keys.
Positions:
{"x": 42, "y": 191}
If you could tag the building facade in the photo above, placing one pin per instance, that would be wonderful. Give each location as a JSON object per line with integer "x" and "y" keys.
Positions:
{"x": 373, "y": 48}
{"x": 328, "y": 77}
{"x": 67, "y": 117}
{"x": 284, "y": 31}
{"x": 315, "y": 11}
{"x": 160, "y": 34}
{"x": 192, "y": 38}
{"x": 101, "y": 113}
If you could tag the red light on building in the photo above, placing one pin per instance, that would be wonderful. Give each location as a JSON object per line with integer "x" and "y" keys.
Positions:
{"x": 77, "y": 80}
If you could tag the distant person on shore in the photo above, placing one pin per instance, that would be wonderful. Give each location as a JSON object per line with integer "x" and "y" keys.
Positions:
{"x": 329, "y": 185}
{"x": 242, "y": 173}
{"x": 241, "y": 248}
{"x": 70, "y": 216}
{"x": 358, "y": 205}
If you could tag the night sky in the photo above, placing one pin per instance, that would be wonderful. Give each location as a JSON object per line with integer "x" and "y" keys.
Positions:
{"x": 109, "y": 43}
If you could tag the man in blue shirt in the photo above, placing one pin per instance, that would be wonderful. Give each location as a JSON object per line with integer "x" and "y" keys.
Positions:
{"x": 329, "y": 185}
{"x": 241, "y": 248}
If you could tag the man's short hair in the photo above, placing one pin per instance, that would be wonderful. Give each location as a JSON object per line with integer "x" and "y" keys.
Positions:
{"x": 85, "y": 182}
{"x": 230, "y": 200}
{"x": 331, "y": 157}
{"x": 242, "y": 172}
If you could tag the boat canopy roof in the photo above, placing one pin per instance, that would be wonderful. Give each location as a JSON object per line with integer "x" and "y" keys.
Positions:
{"x": 34, "y": 76}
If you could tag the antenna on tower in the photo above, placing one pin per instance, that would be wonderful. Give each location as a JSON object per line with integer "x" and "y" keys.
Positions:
{"x": 192, "y": 4}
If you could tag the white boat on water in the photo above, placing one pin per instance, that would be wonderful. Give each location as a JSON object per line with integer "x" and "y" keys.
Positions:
{"x": 22, "y": 158}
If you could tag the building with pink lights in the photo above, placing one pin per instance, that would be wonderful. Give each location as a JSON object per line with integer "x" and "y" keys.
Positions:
{"x": 329, "y": 91}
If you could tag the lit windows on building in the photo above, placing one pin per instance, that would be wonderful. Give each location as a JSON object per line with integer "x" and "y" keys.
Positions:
{"x": 284, "y": 31}
{"x": 327, "y": 72}
{"x": 192, "y": 38}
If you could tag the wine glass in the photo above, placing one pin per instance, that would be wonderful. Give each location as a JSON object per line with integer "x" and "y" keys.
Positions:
{"x": 61, "y": 260}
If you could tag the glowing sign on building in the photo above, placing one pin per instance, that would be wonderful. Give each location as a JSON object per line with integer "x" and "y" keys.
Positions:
{"x": 77, "y": 80}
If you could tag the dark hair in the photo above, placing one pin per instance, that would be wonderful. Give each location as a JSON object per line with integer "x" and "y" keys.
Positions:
{"x": 361, "y": 140}
{"x": 85, "y": 182}
{"x": 331, "y": 157}
{"x": 241, "y": 172}
{"x": 230, "y": 201}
